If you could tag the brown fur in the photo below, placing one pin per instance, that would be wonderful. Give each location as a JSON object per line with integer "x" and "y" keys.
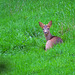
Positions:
{"x": 50, "y": 43}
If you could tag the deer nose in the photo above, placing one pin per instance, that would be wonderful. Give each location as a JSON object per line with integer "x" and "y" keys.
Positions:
{"x": 45, "y": 32}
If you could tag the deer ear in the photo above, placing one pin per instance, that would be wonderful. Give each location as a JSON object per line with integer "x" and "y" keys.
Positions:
{"x": 41, "y": 24}
{"x": 49, "y": 24}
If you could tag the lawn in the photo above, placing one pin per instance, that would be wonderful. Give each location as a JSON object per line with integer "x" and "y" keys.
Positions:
{"x": 22, "y": 40}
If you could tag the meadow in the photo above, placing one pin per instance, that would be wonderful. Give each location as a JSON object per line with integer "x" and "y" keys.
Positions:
{"x": 22, "y": 40}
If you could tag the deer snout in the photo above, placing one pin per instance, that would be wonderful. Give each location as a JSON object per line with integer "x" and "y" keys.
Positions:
{"x": 45, "y": 31}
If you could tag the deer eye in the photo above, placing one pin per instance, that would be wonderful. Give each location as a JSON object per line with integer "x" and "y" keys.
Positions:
{"x": 48, "y": 28}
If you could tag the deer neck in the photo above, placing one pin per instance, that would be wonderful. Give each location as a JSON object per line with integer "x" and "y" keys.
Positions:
{"x": 48, "y": 36}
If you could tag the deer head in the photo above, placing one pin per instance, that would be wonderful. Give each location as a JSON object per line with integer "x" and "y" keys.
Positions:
{"x": 45, "y": 27}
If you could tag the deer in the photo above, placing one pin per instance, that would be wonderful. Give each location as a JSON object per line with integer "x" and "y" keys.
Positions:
{"x": 51, "y": 40}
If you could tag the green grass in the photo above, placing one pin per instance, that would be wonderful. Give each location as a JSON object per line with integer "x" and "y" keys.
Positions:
{"x": 22, "y": 40}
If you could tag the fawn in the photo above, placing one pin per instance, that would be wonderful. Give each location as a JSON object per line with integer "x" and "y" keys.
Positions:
{"x": 51, "y": 40}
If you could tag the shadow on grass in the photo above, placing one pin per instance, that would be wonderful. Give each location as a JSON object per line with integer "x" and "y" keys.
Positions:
{"x": 5, "y": 65}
